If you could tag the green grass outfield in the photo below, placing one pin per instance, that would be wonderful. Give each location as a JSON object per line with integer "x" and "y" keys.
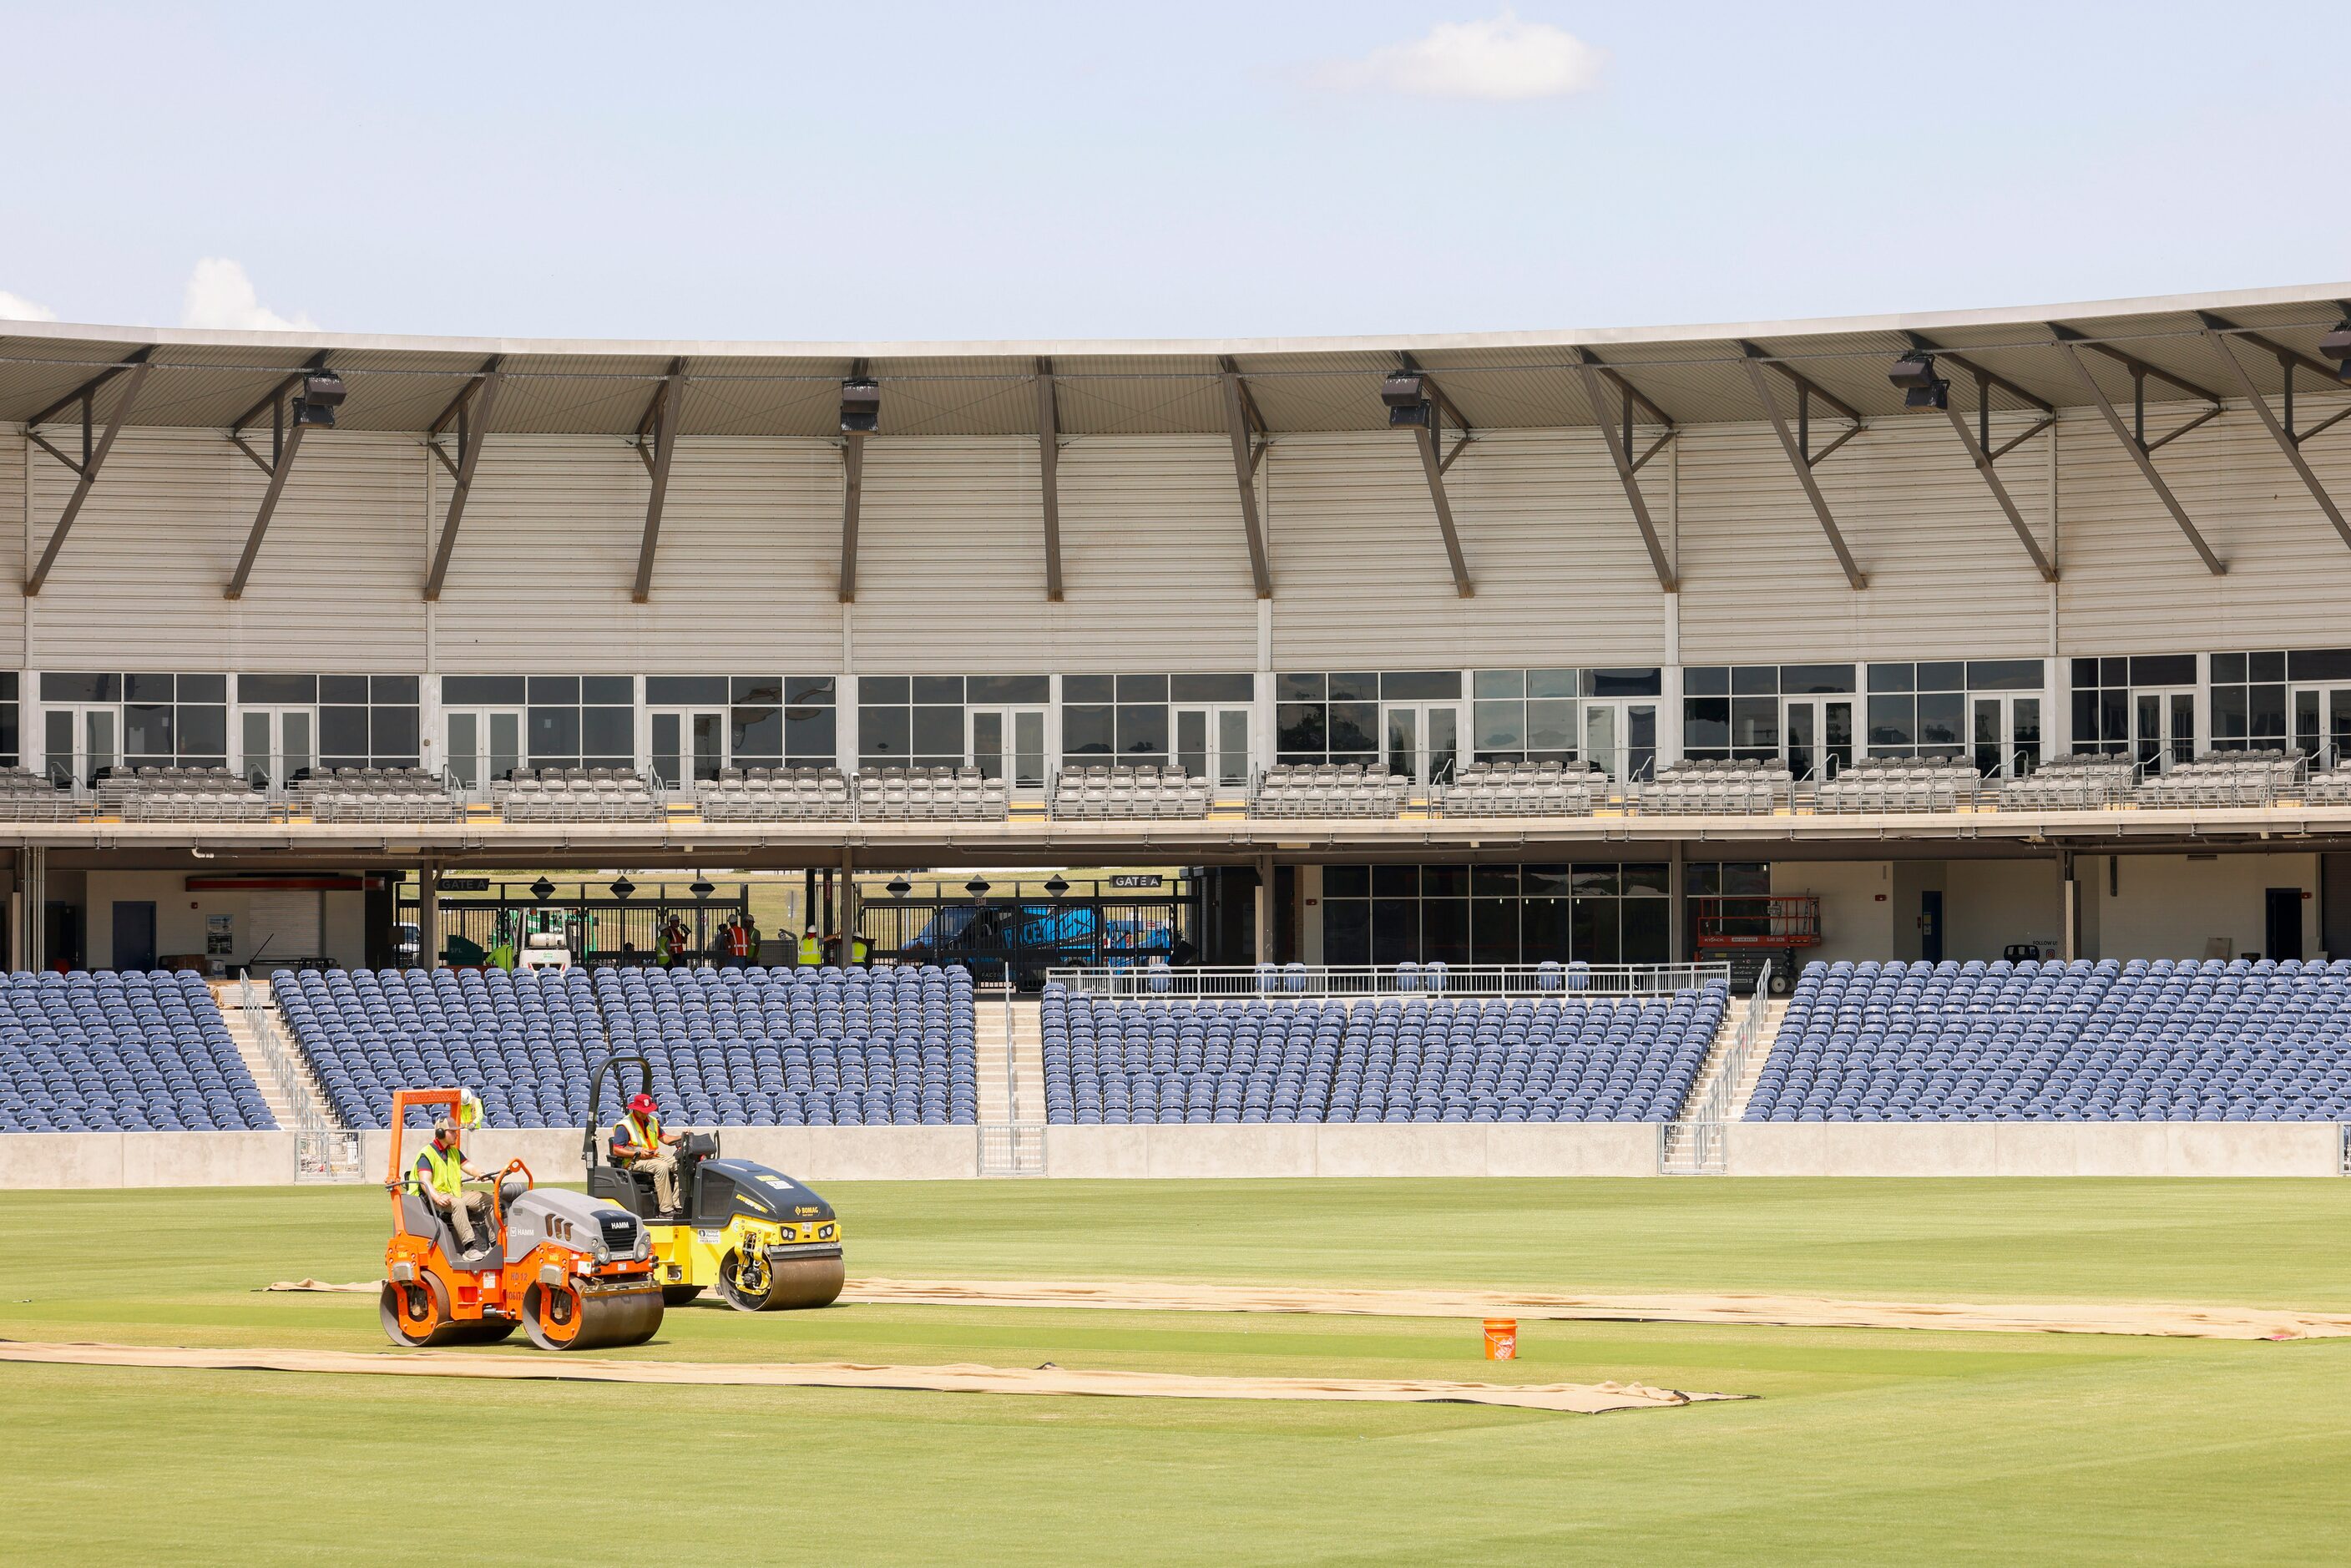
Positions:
{"x": 1874, "y": 1446}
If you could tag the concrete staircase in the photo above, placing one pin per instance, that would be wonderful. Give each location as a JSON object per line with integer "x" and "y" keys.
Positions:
{"x": 1696, "y": 1144}
{"x": 293, "y": 1100}
{"x": 1002, "y": 1034}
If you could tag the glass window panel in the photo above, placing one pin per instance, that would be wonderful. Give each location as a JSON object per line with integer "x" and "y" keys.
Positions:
{"x": 277, "y": 689}
{"x": 393, "y": 688}
{"x": 1755, "y": 723}
{"x": 1089, "y": 688}
{"x": 2114, "y": 716}
{"x": 554, "y": 732}
{"x": 394, "y": 732}
{"x": 1941, "y": 717}
{"x": 75, "y": 688}
{"x": 2086, "y": 672}
{"x": 1356, "y": 687}
{"x": 147, "y": 689}
{"x": 1395, "y": 930}
{"x": 1701, "y": 879}
{"x": 1494, "y": 882}
{"x": 1547, "y": 881}
{"x": 1007, "y": 689}
{"x": 1748, "y": 878}
{"x": 1893, "y": 677}
{"x": 753, "y": 731}
{"x": 1301, "y": 688}
{"x": 1553, "y": 682}
{"x": 1647, "y": 682}
{"x": 2004, "y": 674}
{"x": 1420, "y": 685}
{"x": 809, "y": 690}
{"x": 1706, "y": 724}
{"x": 147, "y": 729}
{"x": 2229, "y": 715}
{"x": 462, "y": 691}
{"x": 1543, "y": 931}
{"x": 937, "y": 732}
{"x": 1648, "y": 932}
{"x": 1141, "y": 730}
{"x": 743, "y": 691}
{"x": 1445, "y": 930}
{"x": 884, "y": 731}
{"x": 936, "y": 690}
{"x": 1942, "y": 675}
{"x": 2258, "y": 667}
{"x": 1143, "y": 688}
{"x": 1212, "y": 688}
{"x": 1396, "y": 882}
{"x": 1706, "y": 681}
{"x": 1497, "y": 684}
{"x": 555, "y": 690}
{"x": 1494, "y": 931}
{"x": 1893, "y": 719}
{"x": 1354, "y": 726}
{"x": 1498, "y": 725}
{"x": 607, "y": 731}
{"x": 2180, "y": 669}
{"x": 1595, "y": 936}
{"x": 351, "y": 690}
{"x": 1445, "y": 882}
{"x": 1346, "y": 882}
{"x": 869, "y": 689}
{"x": 1299, "y": 729}
{"x": 1598, "y": 881}
{"x": 2265, "y": 711}
{"x": 1087, "y": 729}
{"x": 1346, "y": 931}
{"x": 2086, "y": 718}
{"x": 1551, "y": 726}
{"x": 808, "y": 735}
{"x": 204, "y": 728}
{"x": 2311, "y": 664}
{"x": 1755, "y": 680}
{"x": 343, "y": 728}
{"x": 254, "y": 734}
{"x": 1796, "y": 680}
{"x": 2114, "y": 672}
{"x": 1646, "y": 881}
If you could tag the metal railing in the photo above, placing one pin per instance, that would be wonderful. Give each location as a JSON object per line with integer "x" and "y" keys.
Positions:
{"x": 1297, "y": 981}
{"x": 1697, "y": 1142}
{"x": 323, "y": 1149}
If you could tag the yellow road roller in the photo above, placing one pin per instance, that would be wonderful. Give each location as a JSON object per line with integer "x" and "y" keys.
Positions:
{"x": 765, "y": 1241}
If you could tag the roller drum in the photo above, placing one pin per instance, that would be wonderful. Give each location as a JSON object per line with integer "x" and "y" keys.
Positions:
{"x": 564, "y": 1317}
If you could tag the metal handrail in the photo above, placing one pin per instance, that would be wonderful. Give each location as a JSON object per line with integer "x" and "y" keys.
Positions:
{"x": 1564, "y": 981}
{"x": 261, "y": 1019}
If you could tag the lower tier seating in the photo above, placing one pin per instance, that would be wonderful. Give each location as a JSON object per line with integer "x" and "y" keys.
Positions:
{"x": 130, "y": 1053}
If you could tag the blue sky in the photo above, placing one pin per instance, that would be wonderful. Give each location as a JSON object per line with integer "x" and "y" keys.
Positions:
{"x": 1208, "y": 169}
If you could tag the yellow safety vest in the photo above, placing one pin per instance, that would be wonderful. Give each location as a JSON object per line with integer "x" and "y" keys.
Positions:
{"x": 811, "y": 952}
{"x": 448, "y": 1170}
{"x": 644, "y": 1135}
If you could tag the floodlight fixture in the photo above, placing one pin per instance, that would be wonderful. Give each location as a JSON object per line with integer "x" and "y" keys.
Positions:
{"x": 1406, "y": 392}
{"x": 321, "y": 392}
{"x": 860, "y": 406}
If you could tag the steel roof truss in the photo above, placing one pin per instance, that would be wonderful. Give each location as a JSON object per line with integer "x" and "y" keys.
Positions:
{"x": 2133, "y": 438}
{"x": 1796, "y": 443}
{"x": 1049, "y": 463}
{"x": 853, "y": 494}
{"x": 136, "y": 370}
{"x": 471, "y": 413}
{"x": 1596, "y": 378}
{"x": 662, "y": 417}
{"x": 2217, "y": 330}
{"x": 1425, "y": 439}
{"x": 1246, "y": 427}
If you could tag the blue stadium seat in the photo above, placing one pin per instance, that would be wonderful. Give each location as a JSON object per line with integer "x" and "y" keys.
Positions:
{"x": 128, "y": 1051}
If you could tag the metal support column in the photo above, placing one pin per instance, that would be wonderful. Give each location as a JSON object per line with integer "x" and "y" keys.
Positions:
{"x": 1265, "y": 909}
{"x": 35, "y": 881}
{"x": 1677, "y": 892}
{"x": 849, "y": 911}
{"x": 428, "y": 915}
{"x": 2072, "y": 906}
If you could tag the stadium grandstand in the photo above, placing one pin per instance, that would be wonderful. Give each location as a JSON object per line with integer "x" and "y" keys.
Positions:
{"x": 1973, "y": 676}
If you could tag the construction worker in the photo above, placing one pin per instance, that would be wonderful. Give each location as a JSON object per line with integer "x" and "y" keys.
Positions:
{"x": 676, "y": 942}
{"x": 812, "y": 949}
{"x": 751, "y": 939}
{"x": 442, "y": 1170}
{"x": 639, "y": 1145}
{"x": 738, "y": 942}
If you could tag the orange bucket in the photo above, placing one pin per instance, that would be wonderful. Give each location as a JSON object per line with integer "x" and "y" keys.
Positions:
{"x": 1501, "y": 1339}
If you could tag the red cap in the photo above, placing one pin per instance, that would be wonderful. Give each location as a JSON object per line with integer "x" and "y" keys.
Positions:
{"x": 643, "y": 1104}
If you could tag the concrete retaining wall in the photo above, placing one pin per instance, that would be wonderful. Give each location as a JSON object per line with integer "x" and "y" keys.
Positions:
{"x": 1446, "y": 1149}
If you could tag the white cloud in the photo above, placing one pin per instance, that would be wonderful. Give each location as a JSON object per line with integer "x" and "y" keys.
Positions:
{"x": 1500, "y": 60}
{"x": 220, "y": 294}
{"x": 17, "y": 307}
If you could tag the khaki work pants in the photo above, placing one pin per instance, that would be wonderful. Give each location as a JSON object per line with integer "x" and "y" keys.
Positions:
{"x": 662, "y": 1168}
{"x": 461, "y": 1210}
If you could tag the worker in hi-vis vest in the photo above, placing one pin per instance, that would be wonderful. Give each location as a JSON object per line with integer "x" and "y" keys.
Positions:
{"x": 812, "y": 949}
{"x": 639, "y": 1145}
{"x": 442, "y": 1170}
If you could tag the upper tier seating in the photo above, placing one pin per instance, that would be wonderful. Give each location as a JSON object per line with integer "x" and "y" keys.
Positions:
{"x": 728, "y": 1047}
{"x": 2109, "y": 1041}
{"x": 130, "y": 1053}
{"x": 1562, "y": 1058}
{"x": 1329, "y": 789}
{"x": 182, "y": 795}
{"x": 777, "y": 794}
{"x": 1899, "y": 784}
{"x": 2332, "y": 788}
{"x": 378, "y": 795}
{"x": 2224, "y": 778}
{"x": 27, "y": 796}
{"x": 1143, "y": 790}
{"x": 1525, "y": 789}
{"x": 577, "y": 794}
{"x": 931, "y": 795}
{"x": 2083, "y": 781}
{"x": 1747, "y": 787}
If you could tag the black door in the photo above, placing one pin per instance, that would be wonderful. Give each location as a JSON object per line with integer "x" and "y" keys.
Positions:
{"x": 2282, "y": 928}
{"x": 134, "y": 934}
{"x": 1930, "y": 924}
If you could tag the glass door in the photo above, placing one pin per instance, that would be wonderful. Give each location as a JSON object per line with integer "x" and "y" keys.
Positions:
{"x": 1423, "y": 740}
{"x": 484, "y": 744}
{"x": 2007, "y": 736}
{"x": 1007, "y": 743}
{"x": 83, "y": 741}
{"x": 1620, "y": 738}
{"x": 2321, "y": 724}
{"x": 276, "y": 743}
{"x": 1213, "y": 743}
{"x": 1819, "y": 731}
{"x": 689, "y": 744}
{"x": 2163, "y": 728}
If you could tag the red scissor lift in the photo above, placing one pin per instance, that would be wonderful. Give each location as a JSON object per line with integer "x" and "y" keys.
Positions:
{"x": 1746, "y": 930}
